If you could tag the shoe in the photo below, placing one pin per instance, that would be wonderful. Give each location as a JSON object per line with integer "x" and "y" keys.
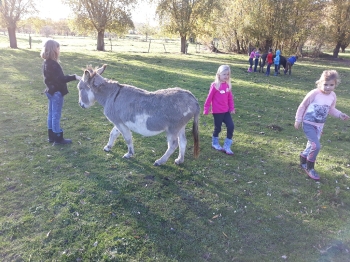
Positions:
{"x": 51, "y": 136}
{"x": 59, "y": 140}
{"x": 303, "y": 162}
{"x": 310, "y": 171}
{"x": 227, "y": 146}
{"x": 215, "y": 144}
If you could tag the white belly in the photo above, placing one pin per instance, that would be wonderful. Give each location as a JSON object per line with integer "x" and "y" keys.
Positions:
{"x": 140, "y": 126}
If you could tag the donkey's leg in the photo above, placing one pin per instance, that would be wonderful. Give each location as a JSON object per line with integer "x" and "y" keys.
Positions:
{"x": 128, "y": 139}
{"x": 172, "y": 145}
{"x": 113, "y": 135}
{"x": 182, "y": 146}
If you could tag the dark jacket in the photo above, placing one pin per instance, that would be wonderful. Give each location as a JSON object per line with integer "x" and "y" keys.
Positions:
{"x": 54, "y": 78}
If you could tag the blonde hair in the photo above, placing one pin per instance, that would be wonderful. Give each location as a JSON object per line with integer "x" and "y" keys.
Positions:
{"x": 222, "y": 69}
{"x": 328, "y": 75}
{"x": 50, "y": 50}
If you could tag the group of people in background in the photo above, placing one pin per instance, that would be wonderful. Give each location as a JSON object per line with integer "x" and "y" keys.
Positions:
{"x": 256, "y": 58}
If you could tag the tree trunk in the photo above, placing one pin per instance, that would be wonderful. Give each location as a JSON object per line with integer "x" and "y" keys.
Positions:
{"x": 101, "y": 40}
{"x": 336, "y": 50}
{"x": 12, "y": 37}
{"x": 268, "y": 45}
{"x": 183, "y": 44}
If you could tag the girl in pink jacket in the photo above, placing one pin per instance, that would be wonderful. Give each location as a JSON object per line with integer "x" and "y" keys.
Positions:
{"x": 220, "y": 100}
{"x": 312, "y": 113}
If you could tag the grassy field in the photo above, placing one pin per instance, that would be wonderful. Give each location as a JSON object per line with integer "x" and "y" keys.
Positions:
{"x": 79, "y": 203}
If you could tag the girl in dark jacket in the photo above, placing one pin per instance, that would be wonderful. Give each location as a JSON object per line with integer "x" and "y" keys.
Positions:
{"x": 56, "y": 87}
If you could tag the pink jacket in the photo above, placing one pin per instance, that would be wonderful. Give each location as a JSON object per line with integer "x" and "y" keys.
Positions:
{"x": 221, "y": 101}
{"x": 316, "y": 106}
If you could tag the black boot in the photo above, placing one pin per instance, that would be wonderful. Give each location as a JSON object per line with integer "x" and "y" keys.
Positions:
{"x": 310, "y": 171}
{"x": 59, "y": 140}
{"x": 51, "y": 136}
{"x": 302, "y": 162}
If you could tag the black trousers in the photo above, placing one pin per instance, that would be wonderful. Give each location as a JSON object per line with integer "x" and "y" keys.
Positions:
{"x": 223, "y": 118}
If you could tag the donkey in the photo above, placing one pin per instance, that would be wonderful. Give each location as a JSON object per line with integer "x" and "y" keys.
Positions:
{"x": 262, "y": 62}
{"x": 148, "y": 113}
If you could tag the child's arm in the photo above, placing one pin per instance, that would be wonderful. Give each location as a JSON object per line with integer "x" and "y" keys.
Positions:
{"x": 337, "y": 113}
{"x": 209, "y": 99}
{"x": 302, "y": 108}
{"x": 231, "y": 104}
{"x": 344, "y": 116}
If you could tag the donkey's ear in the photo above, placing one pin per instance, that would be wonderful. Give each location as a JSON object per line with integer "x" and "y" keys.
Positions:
{"x": 86, "y": 76}
{"x": 98, "y": 80}
{"x": 101, "y": 69}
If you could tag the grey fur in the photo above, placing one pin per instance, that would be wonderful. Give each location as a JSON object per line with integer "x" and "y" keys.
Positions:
{"x": 148, "y": 113}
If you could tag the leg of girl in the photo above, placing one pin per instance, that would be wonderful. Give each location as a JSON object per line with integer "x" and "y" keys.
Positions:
{"x": 57, "y": 104}
{"x": 218, "y": 119}
{"x": 313, "y": 134}
{"x": 49, "y": 119}
{"x": 230, "y": 128}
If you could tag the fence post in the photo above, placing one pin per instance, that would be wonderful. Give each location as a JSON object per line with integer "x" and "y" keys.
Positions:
{"x": 30, "y": 42}
{"x": 149, "y": 46}
{"x": 164, "y": 48}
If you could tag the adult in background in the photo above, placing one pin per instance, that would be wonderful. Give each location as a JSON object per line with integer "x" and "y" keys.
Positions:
{"x": 290, "y": 62}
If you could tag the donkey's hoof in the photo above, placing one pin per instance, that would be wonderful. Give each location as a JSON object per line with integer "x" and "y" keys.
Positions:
{"x": 107, "y": 148}
{"x": 178, "y": 161}
{"x": 156, "y": 164}
{"x": 127, "y": 155}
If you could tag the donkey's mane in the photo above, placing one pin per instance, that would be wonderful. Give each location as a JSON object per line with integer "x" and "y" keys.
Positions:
{"x": 92, "y": 70}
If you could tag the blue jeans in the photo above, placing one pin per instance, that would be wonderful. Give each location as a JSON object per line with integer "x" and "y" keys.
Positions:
{"x": 251, "y": 62}
{"x": 54, "y": 111}
{"x": 313, "y": 146}
{"x": 256, "y": 62}
{"x": 268, "y": 69}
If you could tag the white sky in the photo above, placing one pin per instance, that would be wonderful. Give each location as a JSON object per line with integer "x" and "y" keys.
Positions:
{"x": 55, "y": 10}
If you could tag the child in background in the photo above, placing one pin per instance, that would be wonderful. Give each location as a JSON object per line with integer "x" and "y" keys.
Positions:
{"x": 251, "y": 58}
{"x": 56, "y": 88}
{"x": 312, "y": 113}
{"x": 269, "y": 59}
{"x": 290, "y": 62}
{"x": 276, "y": 61}
{"x": 220, "y": 99}
{"x": 256, "y": 59}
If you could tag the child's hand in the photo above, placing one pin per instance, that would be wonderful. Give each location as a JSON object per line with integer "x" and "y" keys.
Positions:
{"x": 77, "y": 77}
{"x": 297, "y": 125}
{"x": 344, "y": 116}
{"x": 233, "y": 111}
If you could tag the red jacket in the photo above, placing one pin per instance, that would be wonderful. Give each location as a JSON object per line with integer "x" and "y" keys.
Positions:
{"x": 269, "y": 58}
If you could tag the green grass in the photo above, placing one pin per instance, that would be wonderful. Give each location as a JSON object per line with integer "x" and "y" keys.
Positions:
{"x": 78, "y": 203}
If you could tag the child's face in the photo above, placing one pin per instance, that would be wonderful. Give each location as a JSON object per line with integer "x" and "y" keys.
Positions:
{"x": 224, "y": 76}
{"x": 327, "y": 86}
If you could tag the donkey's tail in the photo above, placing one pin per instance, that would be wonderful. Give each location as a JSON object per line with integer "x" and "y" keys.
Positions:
{"x": 195, "y": 133}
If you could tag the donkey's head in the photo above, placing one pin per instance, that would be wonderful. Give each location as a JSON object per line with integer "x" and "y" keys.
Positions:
{"x": 88, "y": 85}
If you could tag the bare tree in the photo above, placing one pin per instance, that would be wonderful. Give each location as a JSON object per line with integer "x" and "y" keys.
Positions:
{"x": 12, "y": 11}
{"x": 183, "y": 16}
{"x": 112, "y": 15}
